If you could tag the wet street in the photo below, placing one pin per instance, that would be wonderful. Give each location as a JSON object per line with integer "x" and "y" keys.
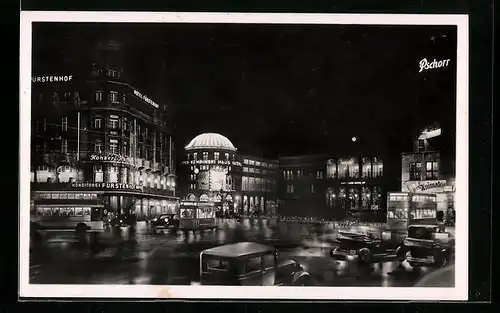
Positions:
{"x": 143, "y": 257}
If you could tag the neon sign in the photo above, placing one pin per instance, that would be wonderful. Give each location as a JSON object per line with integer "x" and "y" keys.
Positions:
{"x": 145, "y": 99}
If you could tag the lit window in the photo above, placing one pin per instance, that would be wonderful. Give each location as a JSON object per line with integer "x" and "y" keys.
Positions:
{"x": 64, "y": 146}
{"x": 432, "y": 170}
{"x": 98, "y": 146}
{"x": 97, "y": 123}
{"x": 113, "y": 146}
{"x": 195, "y": 156}
{"x": 227, "y": 156}
{"x": 205, "y": 156}
{"x": 64, "y": 124}
{"x": 98, "y": 96}
{"x": 113, "y": 96}
{"x": 216, "y": 156}
{"x": 98, "y": 174}
{"x": 113, "y": 122}
{"x": 112, "y": 174}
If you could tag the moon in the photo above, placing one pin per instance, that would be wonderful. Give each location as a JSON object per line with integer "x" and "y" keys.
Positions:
{"x": 353, "y": 139}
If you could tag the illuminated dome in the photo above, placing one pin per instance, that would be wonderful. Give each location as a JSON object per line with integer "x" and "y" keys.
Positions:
{"x": 210, "y": 141}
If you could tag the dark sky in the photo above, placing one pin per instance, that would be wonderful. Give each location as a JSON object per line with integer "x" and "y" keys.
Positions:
{"x": 279, "y": 89}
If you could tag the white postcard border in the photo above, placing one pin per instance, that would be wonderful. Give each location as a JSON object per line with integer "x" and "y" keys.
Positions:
{"x": 459, "y": 292}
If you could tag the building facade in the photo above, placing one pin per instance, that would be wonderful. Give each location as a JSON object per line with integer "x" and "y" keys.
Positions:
{"x": 423, "y": 171}
{"x": 259, "y": 185}
{"x": 97, "y": 137}
{"x": 333, "y": 187}
{"x": 213, "y": 170}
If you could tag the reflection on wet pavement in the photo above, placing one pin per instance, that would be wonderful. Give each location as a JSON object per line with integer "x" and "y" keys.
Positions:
{"x": 143, "y": 257}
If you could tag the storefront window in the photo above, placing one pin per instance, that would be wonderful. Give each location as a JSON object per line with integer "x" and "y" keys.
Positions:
{"x": 98, "y": 174}
{"x": 365, "y": 197}
{"x": 112, "y": 174}
{"x": 124, "y": 175}
{"x": 331, "y": 169}
{"x": 348, "y": 168}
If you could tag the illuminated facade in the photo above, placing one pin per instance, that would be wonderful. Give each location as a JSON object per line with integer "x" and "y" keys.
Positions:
{"x": 423, "y": 171}
{"x": 259, "y": 185}
{"x": 96, "y": 137}
{"x": 211, "y": 172}
{"x": 333, "y": 187}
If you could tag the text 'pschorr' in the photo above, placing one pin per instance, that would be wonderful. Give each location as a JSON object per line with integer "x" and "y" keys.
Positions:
{"x": 426, "y": 65}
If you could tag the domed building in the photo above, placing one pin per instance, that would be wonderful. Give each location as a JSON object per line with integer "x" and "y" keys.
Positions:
{"x": 211, "y": 172}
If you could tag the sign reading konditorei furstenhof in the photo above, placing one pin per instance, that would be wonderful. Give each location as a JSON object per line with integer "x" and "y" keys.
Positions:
{"x": 106, "y": 186}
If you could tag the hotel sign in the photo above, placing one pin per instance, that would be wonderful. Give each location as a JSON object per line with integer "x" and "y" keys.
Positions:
{"x": 145, "y": 99}
{"x": 211, "y": 162}
{"x": 52, "y": 79}
{"x": 426, "y": 186}
{"x": 106, "y": 186}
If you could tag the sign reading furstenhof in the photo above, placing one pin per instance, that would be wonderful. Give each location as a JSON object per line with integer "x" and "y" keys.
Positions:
{"x": 107, "y": 186}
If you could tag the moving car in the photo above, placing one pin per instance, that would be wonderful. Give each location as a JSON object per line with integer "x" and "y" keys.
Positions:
{"x": 165, "y": 222}
{"x": 366, "y": 245}
{"x": 249, "y": 264}
{"x": 428, "y": 245}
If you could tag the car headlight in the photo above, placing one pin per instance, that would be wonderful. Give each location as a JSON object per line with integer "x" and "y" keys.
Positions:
{"x": 166, "y": 220}
{"x": 121, "y": 221}
{"x": 155, "y": 219}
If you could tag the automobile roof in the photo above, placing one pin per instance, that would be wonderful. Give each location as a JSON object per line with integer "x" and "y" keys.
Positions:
{"x": 240, "y": 249}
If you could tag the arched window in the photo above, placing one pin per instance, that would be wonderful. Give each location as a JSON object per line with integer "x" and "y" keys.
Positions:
{"x": 204, "y": 198}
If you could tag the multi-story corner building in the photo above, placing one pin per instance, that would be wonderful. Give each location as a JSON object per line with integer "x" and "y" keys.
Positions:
{"x": 213, "y": 170}
{"x": 259, "y": 185}
{"x": 424, "y": 171}
{"x": 320, "y": 185}
{"x": 96, "y": 137}
{"x": 303, "y": 185}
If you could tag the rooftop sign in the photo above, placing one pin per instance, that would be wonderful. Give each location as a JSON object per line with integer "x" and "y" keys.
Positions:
{"x": 52, "y": 79}
{"x": 145, "y": 99}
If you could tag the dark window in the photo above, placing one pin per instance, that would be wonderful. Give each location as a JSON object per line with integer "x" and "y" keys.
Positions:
{"x": 421, "y": 145}
{"x": 253, "y": 265}
{"x": 420, "y": 232}
{"x": 268, "y": 261}
{"x": 219, "y": 265}
{"x": 415, "y": 170}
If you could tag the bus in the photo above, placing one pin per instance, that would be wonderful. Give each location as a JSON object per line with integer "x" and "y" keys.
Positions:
{"x": 406, "y": 208}
{"x": 195, "y": 215}
{"x": 58, "y": 212}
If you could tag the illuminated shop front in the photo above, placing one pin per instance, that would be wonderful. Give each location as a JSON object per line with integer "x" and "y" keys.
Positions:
{"x": 354, "y": 185}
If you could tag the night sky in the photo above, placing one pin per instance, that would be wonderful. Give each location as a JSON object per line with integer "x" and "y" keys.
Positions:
{"x": 279, "y": 89}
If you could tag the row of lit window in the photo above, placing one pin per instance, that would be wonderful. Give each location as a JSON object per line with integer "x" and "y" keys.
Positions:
{"x": 216, "y": 156}
{"x": 257, "y": 170}
{"x": 63, "y": 211}
{"x": 401, "y": 213}
{"x": 297, "y": 174}
{"x": 431, "y": 170}
{"x": 257, "y": 184}
{"x": 68, "y": 195}
{"x": 417, "y": 198}
{"x": 259, "y": 163}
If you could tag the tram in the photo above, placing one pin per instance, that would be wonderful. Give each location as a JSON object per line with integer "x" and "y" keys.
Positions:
{"x": 195, "y": 215}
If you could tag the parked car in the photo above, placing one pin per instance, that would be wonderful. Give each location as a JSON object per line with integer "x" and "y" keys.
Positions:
{"x": 365, "y": 245}
{"x": 249, "y": 264}
{"x": 428, "y": 245}
{"x": 165, "y": 222}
